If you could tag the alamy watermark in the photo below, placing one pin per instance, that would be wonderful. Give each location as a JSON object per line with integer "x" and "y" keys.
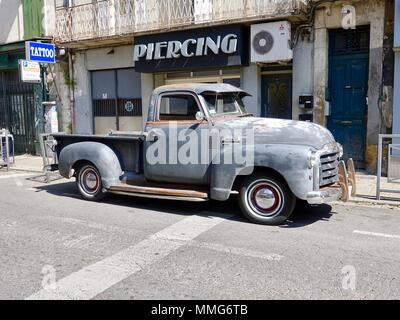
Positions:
{"x": 349, "y": 19}
{"x": 175, "y": 144}
{"x": 349, "y": 279}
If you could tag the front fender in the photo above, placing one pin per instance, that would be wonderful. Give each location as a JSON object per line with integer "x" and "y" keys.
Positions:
{"x": 102, "y": 156}
{"x": 288, "y": 160}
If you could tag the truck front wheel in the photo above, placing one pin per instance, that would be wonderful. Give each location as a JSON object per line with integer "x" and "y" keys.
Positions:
{"x": 88, "y": 180}
{"x": 266, "y": 199}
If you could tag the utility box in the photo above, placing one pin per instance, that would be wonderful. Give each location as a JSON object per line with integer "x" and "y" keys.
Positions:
{"x": 50, "y": 117}
{"x": 308, "y": 117}
{"x": 306, "y": 101}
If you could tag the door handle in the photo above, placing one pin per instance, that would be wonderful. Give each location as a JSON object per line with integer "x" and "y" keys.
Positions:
{"x": 153, "y": 136}
{"x": 346, "y": 122}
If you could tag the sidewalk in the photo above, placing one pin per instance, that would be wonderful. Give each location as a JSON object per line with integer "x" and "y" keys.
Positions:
{"x": 366, "y": 184}
{"x": 366, "y": 191}
{"x": 28, "y": 163}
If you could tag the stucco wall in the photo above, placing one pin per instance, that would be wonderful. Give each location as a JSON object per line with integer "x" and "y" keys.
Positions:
{"x": 303, "y": 74}
{"x": 11, "y": 18}
{"x": 330, "y": 17}
{"x": 251, "y": 83}
{"x": 91, "y": 60}
{"x": 83, "y": 96}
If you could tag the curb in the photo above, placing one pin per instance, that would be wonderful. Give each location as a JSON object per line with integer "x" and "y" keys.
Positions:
{"x": 371, "y": 202}
{"x": 26, "y": 170}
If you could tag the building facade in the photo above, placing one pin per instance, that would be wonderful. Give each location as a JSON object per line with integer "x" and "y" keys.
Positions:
{"x": 329, "y": 62}
{"x": 21, "y": 103}
{"x": 396, "y": 93}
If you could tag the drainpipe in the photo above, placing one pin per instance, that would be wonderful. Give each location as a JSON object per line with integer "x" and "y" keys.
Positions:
{"x": 71, "y": 89}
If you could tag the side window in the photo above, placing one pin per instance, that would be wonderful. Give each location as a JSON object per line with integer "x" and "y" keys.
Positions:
{"x": 178, "y": 107}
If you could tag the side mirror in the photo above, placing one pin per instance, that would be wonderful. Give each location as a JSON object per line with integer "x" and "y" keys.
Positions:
{"x": 200, "y": 116}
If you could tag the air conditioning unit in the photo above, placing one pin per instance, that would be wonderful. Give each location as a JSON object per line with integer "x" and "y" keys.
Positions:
{"x": 270, "y": 42}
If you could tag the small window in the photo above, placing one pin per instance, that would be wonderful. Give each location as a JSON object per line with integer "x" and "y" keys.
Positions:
{"x": 178, "y": 107}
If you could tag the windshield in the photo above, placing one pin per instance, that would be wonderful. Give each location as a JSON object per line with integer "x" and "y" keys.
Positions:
{"x": 224, "y": 103}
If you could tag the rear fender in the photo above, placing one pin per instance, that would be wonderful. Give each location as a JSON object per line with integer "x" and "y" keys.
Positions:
{"x": 102, "y": 156}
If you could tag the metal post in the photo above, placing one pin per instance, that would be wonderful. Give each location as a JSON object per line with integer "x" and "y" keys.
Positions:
{"x": 389, "y": 161}
{"x": 378, "y": 182}
{"x": 43, "y": 148}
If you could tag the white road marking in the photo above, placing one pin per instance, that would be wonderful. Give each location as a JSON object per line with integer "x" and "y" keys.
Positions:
{"x": 384, "y": 235}
{"x": 236, "y": 251}
{"x": 94, "y": 225}
{"x": 80, "y": 242}
{"x": 18, "y": 182}
{"x": 94, "y": 279}
{"x": 16, "y": 175}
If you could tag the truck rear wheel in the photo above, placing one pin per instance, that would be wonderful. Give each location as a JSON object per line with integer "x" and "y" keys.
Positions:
{"x": 88, "y": 180}
{"x": 266, "y": 199}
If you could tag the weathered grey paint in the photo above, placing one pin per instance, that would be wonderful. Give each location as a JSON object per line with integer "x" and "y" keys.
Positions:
{"x": 102, "y": 156}
{"x": 280, "y": 145}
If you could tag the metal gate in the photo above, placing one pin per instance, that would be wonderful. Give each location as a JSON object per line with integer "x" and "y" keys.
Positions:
{"x": 17, "y": 111}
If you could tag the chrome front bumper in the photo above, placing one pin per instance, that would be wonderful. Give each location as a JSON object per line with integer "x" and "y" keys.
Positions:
{"x": 340, "y": 191}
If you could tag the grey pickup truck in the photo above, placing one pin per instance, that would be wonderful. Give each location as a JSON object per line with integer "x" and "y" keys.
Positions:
{"x": 201, "y": 144}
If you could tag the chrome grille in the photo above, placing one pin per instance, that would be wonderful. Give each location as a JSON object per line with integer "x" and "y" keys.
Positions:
{"x": 329, "y": 170}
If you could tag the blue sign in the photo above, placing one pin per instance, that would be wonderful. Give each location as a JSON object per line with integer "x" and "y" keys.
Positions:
{"x": 40, "y": 52}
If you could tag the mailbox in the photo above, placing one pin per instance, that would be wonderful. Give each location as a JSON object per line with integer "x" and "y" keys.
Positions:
{"x": 308, "y": 117}
{"x": 306, "y": 101}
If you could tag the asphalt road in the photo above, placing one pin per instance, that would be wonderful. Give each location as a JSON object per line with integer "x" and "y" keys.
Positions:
{"x": 54, "y": 245}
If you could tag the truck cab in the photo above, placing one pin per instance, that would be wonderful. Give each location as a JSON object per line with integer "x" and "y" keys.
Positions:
{"x": 199, "y": 144}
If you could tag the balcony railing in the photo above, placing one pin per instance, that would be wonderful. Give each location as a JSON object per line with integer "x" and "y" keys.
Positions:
{"x": 109, "y": 18}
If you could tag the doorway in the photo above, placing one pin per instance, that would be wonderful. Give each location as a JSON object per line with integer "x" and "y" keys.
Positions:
{"x": 117, "y": 102}
{"x": 17, "y": 111}
{"x": 276, "y": 96}
{"x": 348, "y": 90}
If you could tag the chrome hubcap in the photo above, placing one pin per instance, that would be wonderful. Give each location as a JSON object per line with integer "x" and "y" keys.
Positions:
{"x": 90, "y": 181}
{"x": 265, "y": 198}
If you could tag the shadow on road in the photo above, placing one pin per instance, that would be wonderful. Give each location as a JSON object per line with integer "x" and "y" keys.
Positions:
{"x": 303, "y": 215}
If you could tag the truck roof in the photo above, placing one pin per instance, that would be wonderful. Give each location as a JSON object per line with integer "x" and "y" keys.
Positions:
{"x": 200, "y": 88}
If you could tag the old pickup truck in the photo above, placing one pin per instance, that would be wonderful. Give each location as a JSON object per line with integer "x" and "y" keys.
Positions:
{"x": 284, "y": 161}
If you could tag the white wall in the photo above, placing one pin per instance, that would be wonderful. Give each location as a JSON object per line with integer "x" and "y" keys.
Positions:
{"x": 303, "y": 74}
{"x": 11, "y": 20}
{"x": 99, "y": 59}
{"x": 251, "y": 83}
{"x": 83, "y": 96}
{"x": 49, "y": 18}
{"x": 110, "y": 58}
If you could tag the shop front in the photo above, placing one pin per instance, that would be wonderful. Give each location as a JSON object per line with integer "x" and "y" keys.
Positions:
{"x": 207, "y": 55}
{"x": 256, "y": 58}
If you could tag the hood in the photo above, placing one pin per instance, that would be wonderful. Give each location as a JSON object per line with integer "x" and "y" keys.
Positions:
{"x": 283, "y": 131}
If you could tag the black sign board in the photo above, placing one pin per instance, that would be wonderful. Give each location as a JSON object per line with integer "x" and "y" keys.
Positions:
{"x": 215, "y": 47}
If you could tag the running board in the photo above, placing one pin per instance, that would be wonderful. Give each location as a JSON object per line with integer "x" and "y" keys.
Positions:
{"x": 159, "y": 193}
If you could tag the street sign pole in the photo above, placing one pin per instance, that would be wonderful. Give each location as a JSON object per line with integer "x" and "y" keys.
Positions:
{"x": 40, "y": 54}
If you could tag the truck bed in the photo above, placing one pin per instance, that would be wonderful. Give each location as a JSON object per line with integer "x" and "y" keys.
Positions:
{"x": 128, "y": 146}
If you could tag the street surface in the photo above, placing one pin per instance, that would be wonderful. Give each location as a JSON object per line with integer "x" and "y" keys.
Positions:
{"x": 53, "y": 245}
